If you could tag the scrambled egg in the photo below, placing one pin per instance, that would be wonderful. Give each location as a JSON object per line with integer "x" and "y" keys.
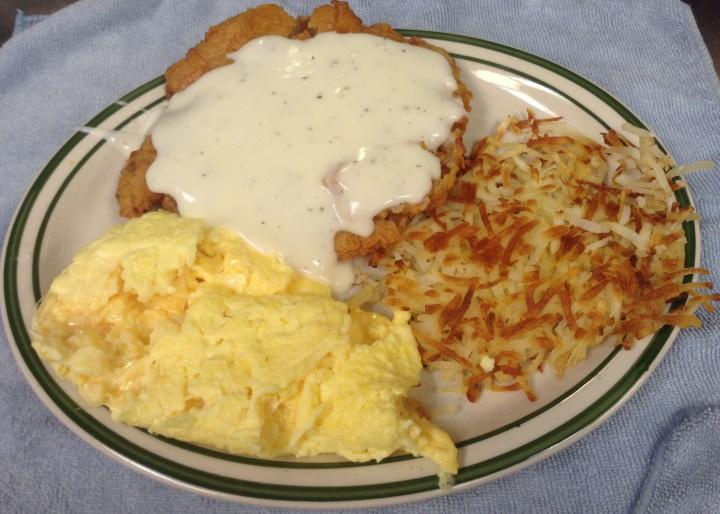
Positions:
{"x": 190, "y": 333}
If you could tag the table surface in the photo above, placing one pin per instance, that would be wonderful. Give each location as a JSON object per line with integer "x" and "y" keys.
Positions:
{"x": 707, "y": 15}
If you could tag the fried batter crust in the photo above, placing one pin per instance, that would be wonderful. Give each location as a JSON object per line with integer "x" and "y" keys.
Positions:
{"x": 133, "y": 196}
{"x": 227, "y": 37}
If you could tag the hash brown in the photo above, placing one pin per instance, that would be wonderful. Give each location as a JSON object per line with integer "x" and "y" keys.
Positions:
{"x": 549, "y": 245}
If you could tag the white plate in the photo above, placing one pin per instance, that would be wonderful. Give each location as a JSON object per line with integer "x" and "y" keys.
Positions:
{"x": 72, "y": 201}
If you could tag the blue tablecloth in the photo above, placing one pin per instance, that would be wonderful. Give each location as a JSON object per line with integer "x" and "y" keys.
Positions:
{"x": 659, "y": 453}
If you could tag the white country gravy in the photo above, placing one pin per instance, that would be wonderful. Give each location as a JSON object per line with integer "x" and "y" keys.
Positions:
{"x": 297, "y": 140}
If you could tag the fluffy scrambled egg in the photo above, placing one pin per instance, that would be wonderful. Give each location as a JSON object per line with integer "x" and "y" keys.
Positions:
{"x": 190, "y": 333}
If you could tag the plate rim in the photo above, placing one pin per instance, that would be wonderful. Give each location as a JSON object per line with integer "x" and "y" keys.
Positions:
{"x": 610, "y": 401}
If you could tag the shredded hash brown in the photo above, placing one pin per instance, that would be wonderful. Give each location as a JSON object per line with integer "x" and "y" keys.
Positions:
{"x": 550, "y": 244}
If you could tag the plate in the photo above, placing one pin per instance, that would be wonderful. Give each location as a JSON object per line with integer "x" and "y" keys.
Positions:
{"x": 72, "y": 201}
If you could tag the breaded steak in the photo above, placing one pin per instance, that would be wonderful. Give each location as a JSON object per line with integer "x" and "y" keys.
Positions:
{"x": 133, "y": 196}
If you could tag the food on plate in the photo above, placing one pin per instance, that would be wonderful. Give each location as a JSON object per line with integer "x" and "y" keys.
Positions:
{"x": 291, "y": 146}
{"x": 353, "y": 89}
{"x": 286, "y": 145}
{"x": 189, "y": 332}
{"x": 550, "y": 244}
{"x": 333, "y": 155}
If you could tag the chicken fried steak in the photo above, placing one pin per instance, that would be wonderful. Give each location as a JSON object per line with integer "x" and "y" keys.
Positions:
{"x": 135, "y": 198}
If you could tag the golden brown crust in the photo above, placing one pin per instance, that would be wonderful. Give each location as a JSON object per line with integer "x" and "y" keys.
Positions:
{"x": 334, "y": 17}
{"x": 224, "y": 38}
{"x": 134, "y": 197}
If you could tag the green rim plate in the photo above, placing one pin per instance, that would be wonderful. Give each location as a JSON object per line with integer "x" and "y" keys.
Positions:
{"x": 387, "y": 492}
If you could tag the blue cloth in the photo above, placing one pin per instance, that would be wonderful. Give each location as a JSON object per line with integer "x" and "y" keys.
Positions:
{"x": 24, "y": 21}
{"x": 659, "y": 453}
